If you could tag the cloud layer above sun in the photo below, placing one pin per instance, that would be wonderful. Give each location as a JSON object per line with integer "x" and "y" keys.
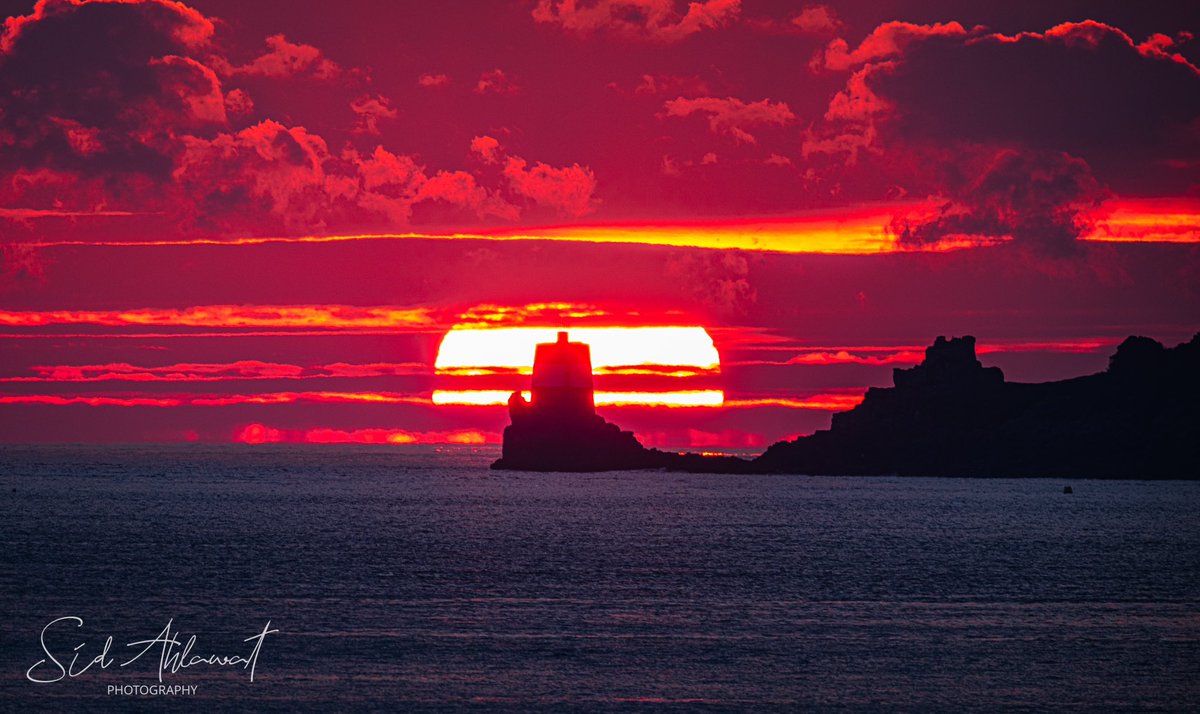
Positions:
{"x": 223, "y": 220}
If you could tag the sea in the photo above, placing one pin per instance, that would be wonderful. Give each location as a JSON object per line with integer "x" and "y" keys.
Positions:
{"x": 410, "y": 578}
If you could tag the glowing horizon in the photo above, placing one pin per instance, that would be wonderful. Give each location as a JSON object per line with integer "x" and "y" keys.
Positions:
{"x": 861, "y": 229}
{"x": 611, "y": 347}
{"x": 497, "y": 397}
{"x": 665, "y": 353}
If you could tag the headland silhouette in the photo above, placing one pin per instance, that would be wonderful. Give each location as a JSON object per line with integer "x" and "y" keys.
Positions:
{"x": 559, "y": 430}
{"x": 947, "y": 416}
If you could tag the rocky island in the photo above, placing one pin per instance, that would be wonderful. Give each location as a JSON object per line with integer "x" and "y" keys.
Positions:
{"x": 559, "y": 430}
{"x": 947, "y": 416}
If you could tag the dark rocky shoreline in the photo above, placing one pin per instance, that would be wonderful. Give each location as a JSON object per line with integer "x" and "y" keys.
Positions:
{"x": 948, "y": 416}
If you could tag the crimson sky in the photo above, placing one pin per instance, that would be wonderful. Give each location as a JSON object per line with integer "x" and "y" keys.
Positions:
{"x": 226, "y": 220}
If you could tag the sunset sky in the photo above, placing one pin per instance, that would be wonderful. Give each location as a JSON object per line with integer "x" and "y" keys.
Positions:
{"x": 257, "y": 221}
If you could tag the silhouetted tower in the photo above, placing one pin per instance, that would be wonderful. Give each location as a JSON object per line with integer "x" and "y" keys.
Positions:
{"x": 562, "y": 378}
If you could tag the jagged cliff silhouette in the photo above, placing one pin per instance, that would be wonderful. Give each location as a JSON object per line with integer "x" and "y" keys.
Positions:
{"x": 559, "y": 430}
{"x": 948, "y": 416}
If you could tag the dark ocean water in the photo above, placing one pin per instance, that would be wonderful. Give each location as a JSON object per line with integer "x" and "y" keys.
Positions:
{"x": 408, "y": 579}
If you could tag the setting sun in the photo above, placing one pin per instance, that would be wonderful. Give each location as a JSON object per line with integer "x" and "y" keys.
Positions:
{"x": 617, "y": 352}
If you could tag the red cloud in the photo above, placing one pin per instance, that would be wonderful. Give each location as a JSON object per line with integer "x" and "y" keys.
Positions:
{"x": 567, "y": 189}
{"x": 816, "y": 19}
{"x": 268, "y": 166}
{"x": 850, "y": 119}
{"x": 287, "y": 59}
{"x": 137, "y": 115}
{"x": 459, "y": 188}
{"x": 274, "y": 316}
{"x": 261, "y": 434}
{"x": 370, "y": 110}
{"x": 213, "y": 372}
{"x": 196, "y": 87}
{"x": 1090, "y": 34}
{"x": 392, "y": 184}
{"x": 487, "y": 147}
{"x": 495, "y": 82}
{"x": 642, "y": 19}
{"x": 1040, "y": 201}
{"x": 1020, "y": 136}
{"x": 887, "y": 40}
{"x": 238, "y": 102}
{"x": 433, "y": 80}
{"x": 671, "y": 84}
{"x": 185, "y": 25}
{"x": 732, "y": 116}
{"x": 111, "y": 102}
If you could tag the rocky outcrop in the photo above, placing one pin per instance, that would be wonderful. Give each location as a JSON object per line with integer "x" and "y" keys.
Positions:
{"x": 559, "y": 429}
{"x": 950, "y": 416}
{"x": 551, "y": 440}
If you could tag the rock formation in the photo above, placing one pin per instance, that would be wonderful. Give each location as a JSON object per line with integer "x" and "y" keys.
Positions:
{"x": 559, "y": 430}
{"x": 950, "y": 416}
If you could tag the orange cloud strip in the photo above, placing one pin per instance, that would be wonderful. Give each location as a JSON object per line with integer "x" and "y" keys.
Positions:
{"x": 551, "y": 314}
{"x": 194, "y": 335}
{"x": 276, "y": 316}
{"x": 215, "y": 400}
{"x": 857, "y": 230}
{"x": 833, "y": 402}
{"x": 214, "y": 372}
{"x": 687, "y": 398}
{"x": 28, "y": 213}
{"x": 907, "y": 354}
{"x": 1150, "y": 221}
{"x": 262, "y": 434}
{"x": 851, "y": 230}
{"x": 846, "y": 357}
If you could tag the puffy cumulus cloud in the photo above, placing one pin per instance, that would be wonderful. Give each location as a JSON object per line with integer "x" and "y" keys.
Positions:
{"x": 96, "y": 88}
{"x": 370, "y": 111}
{"x": 887, "y": 40}
{"x": 850, "y": 120}
{"x": 430, "y": 81}
{"x": 495, "y": 81}
{"x": 657, "y": 20}
{"x": 1062, "y": 115}
{"x": 266, "y": 168}
{"x": 238, "y": 102}
{"x": 459, "y": 188}
{"x": 184, "y": 25}
{"x": 1084, "y": 88}
{"x": 817, "y": 20}
{"x": 285, "y": 59}
{"x": 288, "y": 173}
{"x": 107, "y": 106}
{"x": 1042, "y": 201}
{"x": 732, "y": 116}
{"x": 487, "y": 147}
{"x": 567, "y": 189}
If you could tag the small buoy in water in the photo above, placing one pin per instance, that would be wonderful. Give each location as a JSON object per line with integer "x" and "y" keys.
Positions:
{"x": 1067, "y": 489}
